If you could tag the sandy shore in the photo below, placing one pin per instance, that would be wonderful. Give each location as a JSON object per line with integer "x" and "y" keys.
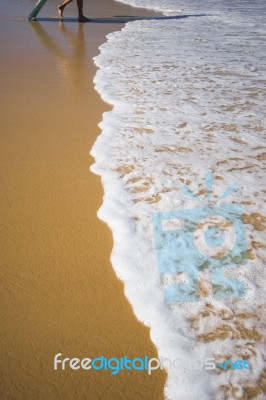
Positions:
{"x": 59, "y": 292}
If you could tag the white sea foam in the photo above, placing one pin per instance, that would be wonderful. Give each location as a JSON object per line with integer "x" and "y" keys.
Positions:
{"x": 188, "y": 98}
{"x": 166, "y": 6}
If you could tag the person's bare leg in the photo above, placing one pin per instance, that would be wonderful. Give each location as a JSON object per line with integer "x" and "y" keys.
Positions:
{"x": 80, "y": 8}
{"x": 61, "y": 8}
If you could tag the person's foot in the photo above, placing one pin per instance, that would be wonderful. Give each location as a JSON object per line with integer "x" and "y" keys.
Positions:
{"x": 83, "y": 19}
{"x": 60, "y": 10}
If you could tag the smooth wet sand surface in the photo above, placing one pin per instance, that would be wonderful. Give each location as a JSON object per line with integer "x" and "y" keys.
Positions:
{"x": 59, "y": 293}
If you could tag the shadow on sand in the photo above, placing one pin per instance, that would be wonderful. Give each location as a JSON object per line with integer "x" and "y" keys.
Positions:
{"x": 119, "y": 19}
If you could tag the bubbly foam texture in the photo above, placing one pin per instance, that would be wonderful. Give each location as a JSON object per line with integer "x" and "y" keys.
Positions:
{"x": 188, "y": 98}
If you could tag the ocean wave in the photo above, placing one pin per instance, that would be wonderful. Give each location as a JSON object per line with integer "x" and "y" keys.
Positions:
{"x": 188, "y": 98}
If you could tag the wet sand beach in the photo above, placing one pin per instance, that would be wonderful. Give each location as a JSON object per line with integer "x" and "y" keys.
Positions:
{"x": 59, "y": 293}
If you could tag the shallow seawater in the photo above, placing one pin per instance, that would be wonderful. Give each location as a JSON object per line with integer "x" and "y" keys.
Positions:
{"x": 188, "y": 98}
